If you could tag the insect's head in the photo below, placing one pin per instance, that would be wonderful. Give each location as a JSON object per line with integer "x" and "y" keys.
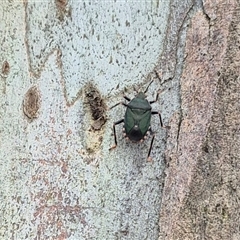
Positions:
{"x": 141, "y": 95}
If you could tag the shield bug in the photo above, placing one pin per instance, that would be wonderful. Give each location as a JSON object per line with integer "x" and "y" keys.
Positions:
{"x": 137, "y": 119}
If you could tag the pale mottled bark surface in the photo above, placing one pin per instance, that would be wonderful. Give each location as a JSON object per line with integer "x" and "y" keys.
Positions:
{"x": 63, "y": 64}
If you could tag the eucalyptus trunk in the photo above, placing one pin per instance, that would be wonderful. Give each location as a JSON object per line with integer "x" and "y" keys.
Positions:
{"x": 64, "y": 65}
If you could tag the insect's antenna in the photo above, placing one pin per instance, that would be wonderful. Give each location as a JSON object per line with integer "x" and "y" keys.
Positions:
{"x": 158, "y": 75}
{"x": 134, "y": 88}
{"x": 148, "y": 86}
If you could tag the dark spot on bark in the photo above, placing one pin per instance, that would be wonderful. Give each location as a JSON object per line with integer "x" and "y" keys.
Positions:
{"x": 205, "y": 148}
{"x": 96, "y": 105}
{"x": 31, "y": 103}
{"x": 61, "y": 4}
{"x": 5, "y": 68}
{"x": 63, "y": 9}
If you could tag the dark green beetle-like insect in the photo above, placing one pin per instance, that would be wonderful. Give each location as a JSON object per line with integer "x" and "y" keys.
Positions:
{"x": 137, "y": 119}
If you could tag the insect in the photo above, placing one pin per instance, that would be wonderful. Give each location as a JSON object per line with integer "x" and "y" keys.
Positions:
{"x": 137, "y": 119}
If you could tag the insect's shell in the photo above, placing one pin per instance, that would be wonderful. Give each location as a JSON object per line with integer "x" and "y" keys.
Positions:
{"x": 137, "y": 118}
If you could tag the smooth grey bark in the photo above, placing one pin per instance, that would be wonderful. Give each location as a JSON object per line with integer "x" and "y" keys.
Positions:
{"x": 63, "y": 65}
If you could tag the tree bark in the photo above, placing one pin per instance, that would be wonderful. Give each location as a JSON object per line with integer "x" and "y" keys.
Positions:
{"x": 201, "y": 197}
{"x": 64, "y": 64}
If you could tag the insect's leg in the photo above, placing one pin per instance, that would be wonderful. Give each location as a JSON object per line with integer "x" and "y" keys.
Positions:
{"x": 153, "y": 101}
{"x": 158, "y": 76}
{"x": 127, "y": 98}
{"x": 124, "y": 104}
{"x": 150, "y": 148}
{"x": 114, "y": 131}
{"x": 148, "y": 86}
{"x": 160, "y": 117}
{"x": 158, "y": 93}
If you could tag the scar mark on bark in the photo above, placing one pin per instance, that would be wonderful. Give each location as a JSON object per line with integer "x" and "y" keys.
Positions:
{"x": 31, "y": 103}
{"x": 5, "y": 68}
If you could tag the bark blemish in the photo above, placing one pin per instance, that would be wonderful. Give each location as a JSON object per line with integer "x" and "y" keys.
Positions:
{"x": 31, "y": 103}
{"x": 62, "y": 8}
{"x": 5, "y": 68}
{"x": 97, "y": 108}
